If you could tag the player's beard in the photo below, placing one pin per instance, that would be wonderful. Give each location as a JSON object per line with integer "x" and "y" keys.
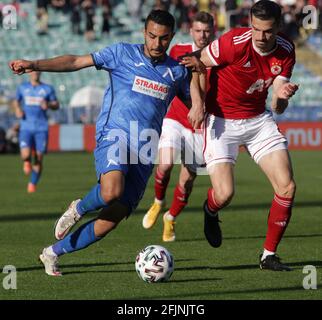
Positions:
{"x": 156, "y": 54}
{"x": 265, "y": 46}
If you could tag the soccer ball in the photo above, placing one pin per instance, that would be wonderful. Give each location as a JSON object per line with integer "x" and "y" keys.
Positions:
{"x": 154, "y": 264}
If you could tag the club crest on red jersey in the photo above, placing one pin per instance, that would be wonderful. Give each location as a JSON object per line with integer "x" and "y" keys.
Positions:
{"x": 276, "y": 68}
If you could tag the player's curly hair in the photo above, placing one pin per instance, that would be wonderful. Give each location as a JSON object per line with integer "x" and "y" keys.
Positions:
{"x": 267, "y": 10}
{"x": 161, "y": 17}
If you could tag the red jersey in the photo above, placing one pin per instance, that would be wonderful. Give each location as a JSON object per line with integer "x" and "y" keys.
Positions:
{"x": 239, "y": 87}
{"x": 178, "y": 110}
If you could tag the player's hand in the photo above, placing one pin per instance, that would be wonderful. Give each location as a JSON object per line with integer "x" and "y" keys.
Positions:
{"x": 20, "y": 114}
{"x": 287, "y": 90}
{"x": 21, "y": 66}
{"x": 194, "y": 63}
{"x": 44, "y": 105}
{"x": 196, "y": 116}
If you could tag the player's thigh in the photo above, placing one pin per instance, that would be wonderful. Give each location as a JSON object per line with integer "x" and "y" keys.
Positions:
{"x": 264, "y": 136}
{"x": 41, "y": 141}
{"x": 110, "y": 169}
{"x": 26, "y": 143}
{"x": 192, "y": 153}
{"x": 136, "y": 181}
{"x": 222, "y": 180}
{"x": 222, "y": 139}
{"x": 170, "y": 142}
{"x": 112, "y": 184}
{"x": 167, "y": 158}
{"x": 277, "y": 167}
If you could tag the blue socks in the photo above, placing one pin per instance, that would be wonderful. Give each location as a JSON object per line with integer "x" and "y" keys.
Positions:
{"x": 80, "y": 239}
{"x": 35, "y": 176}
{"x": 91, "y": 202}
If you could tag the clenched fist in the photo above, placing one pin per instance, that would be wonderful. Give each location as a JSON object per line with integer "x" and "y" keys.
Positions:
{"x": 21, "y": 66}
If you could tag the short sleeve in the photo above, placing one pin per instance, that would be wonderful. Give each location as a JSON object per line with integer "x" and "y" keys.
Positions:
{"x": 183, "y": 92}
{"x": 221, "y": 51}
{"x": 52, "y": 94}
{"x": 19, "y": 96}
{"x": 108, "y": 58}
{"x": 288, "y": 66}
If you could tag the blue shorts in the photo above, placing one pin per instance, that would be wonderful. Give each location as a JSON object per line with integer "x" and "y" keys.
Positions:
{"x": 136, "y": 175}
{"x": 36, "y": 140}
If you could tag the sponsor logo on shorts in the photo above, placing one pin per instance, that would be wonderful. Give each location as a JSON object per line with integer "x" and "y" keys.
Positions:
{"x": 150, "y": 88}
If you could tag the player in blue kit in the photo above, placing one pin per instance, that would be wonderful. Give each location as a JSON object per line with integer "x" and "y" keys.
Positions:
{"x": 33, "y": 99}
{"x": 143, "y": 82}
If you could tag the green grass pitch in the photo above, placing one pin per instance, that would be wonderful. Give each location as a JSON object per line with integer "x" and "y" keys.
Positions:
{"x": 106, "y": 269}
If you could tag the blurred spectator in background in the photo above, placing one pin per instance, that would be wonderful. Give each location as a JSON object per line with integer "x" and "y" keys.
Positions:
{"x": 106, "y": 13}
{"x": 76, "y": 16}
{"x": 175, "y": 9}
{"x": 61, "y": 5}
{"x": 232, "y": 12}
{"x": 2, "y": 140}
{"x": 134, "y": 8}
{"x": 42, "y": 16}
{"x": 188, "y": 10}
{"x": 290, "y": 18}
{"x": 89, "y": 9}
{"x": 161, "y": 5}
{"x": 12, "y": 137}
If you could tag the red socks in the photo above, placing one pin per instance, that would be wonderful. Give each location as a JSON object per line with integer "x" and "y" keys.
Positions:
{"x": 160, "y": 184}
{"x": 211, "y": 202}
{"x": 278, "y": 218}
{"x": 180, "y": 200}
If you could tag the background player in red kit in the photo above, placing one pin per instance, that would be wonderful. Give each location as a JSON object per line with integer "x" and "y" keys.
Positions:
{"x": 175, "y": 128}
{"x": 249, "y": 61}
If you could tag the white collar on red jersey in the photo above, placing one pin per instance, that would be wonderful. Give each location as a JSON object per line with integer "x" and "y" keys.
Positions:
{"x": 263, "y": 53}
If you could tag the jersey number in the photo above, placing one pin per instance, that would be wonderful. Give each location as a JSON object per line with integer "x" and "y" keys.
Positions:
{"x": 259, "y": 85}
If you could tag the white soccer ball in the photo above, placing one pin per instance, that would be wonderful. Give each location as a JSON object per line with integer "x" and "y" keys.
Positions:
{"x": 154, "y": 264}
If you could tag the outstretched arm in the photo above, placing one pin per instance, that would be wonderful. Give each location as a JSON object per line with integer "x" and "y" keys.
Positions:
{"x": 198, "y": 92}
{"x": 197, "y": 60}
{"x": 282, "y": 92}
{"x": 66, "y": 63}
{"x": 17, "y": 108}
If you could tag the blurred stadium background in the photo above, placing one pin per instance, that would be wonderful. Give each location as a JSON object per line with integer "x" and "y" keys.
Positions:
{"x": 49, "y": 28}
{"x": 106, "y": 270}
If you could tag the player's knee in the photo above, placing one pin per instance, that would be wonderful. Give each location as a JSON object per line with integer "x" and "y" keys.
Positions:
{"x": 111, "y": 194}
{"x": 224, "y": 197}
{"x": 165, "y": 169}
{"x": 287, "y": 190}
{"x": 187, "y": 186}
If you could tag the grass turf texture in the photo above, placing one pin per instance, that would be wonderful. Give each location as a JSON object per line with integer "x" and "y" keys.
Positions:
{"x": 106, "y": 270}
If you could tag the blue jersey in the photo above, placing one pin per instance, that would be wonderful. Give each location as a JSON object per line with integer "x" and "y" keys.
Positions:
{"x": 139, "y": 90}
{"x": 30, "y": 98}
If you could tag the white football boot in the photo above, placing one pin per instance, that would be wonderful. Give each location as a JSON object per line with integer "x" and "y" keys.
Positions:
{"x": 67, "y": 221}
{"x": 50, "y": 263}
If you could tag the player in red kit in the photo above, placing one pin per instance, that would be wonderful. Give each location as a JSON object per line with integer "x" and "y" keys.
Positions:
{"x": 178, "y": 138}
{"x": 248, "y": 61}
